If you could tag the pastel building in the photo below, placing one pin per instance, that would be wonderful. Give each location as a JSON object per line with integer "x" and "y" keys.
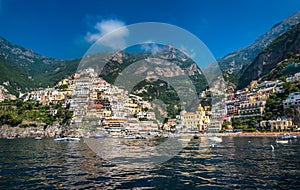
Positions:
{"x": 293, "y": 100}
{"x": 196, "y": 120}
{"x": 279, "y": 124}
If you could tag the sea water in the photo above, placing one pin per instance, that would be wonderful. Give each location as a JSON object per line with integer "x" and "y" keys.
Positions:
{"x": 236, "y": 162}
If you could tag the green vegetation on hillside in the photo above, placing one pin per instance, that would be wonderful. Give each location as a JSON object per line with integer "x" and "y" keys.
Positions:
{"x": 19, "y": 80}
{"x": 274, "y": 107}
{"x": 159, "y": 90}
{"x": 27, "y": 71}
{"x": 284, "y": 69}
{"x": 283, "y": 47}
{"x": 233, "y": 78}
{"x": 25, "y": 114}
{"x": 247, "y": 124}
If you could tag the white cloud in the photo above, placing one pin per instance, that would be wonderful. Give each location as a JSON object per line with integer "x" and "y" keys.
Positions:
{"x": 110, "y": 33}
{"x": 188, "y": 52}
{"x": 150, "y": 46}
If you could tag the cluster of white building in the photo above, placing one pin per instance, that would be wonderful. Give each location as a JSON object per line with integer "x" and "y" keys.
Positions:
{"x": 252, "y": 100}
{"x": 294, "y": 78}
{"x": 293, "y": 100}
{"x": 5, "y": 95}
{"x": 96, "y": 102}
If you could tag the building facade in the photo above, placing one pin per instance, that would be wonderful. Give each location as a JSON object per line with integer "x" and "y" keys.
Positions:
{"x": 196, "y": 120}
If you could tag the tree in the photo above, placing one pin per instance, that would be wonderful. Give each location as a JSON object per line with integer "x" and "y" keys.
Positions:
{"x": 226, "y": 125}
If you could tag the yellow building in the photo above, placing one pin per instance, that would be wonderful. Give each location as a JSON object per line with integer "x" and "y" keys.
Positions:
{"x": 63, "y": 82}
{"x": 196, "y": 120}
{"x": 133, "y": 104}
{"x": 115, "y": 127}
{"x": 280, "y": 124}
{"x": 253, "y": 84}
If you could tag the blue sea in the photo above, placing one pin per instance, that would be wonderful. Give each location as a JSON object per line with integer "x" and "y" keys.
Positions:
{"x": 234, "y": 163}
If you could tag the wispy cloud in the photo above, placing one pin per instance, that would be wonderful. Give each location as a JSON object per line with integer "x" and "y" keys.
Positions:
{"x": 110, "y": 33}
{"x": 188, "y": 52}
{"x": 150, "y": 46}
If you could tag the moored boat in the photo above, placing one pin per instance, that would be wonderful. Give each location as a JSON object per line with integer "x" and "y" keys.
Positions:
{"x": 289, "y": 137}
{"x": 38, "y": 138}
{"x": 140, "y": 137}
{"x": 129, "y": 137}
{"x": 98, "y": 136}
{"x": 184, "y": 139}
{"x": 281, "y": 141}
{"x": 215, "y": 139}
{"x": 67, "y": 139}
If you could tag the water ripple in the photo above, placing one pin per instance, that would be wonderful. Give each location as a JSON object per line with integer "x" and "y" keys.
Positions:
{"x": 233, "y": 163}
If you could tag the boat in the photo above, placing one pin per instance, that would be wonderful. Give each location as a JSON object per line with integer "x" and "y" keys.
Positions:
{"x": 98, "y": 136}
{"x": 38, "y": 138}
{"x": 196, "y": 137}
{"x": 130, "y": 137}
{"x": 184, "y": 139}
{"x": 281, "y": 141}
{"x": 140, "y": 137}
{"x": 10, "y": 138}
{"x": 153, "y": 133}
{"x": 289, "y": 137}
{"x": 67, "y": 139}
{"x": 166, "y": 136}
{"x": 215, "y": 139}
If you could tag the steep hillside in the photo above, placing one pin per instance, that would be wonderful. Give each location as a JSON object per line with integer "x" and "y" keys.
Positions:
{"x": 121, "y": 60}
{"x": 282, "y": 48}
{"x": 236, "y": 62}
{"x": 174, "y": 68}
{"x": 22, "y": 69}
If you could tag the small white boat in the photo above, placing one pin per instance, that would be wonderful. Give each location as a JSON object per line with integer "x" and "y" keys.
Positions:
{"x": 185, "y": 140}
{"x": 38, "y": 138}
{"x": 10, "y": 138}
{"x": 215, "y": 139}
{"x": 289, "y": 137}
{"x": 282, "y": 141}
{"x": 67, "y": 139}
{"x": 153, "y": 133}
{"x": 130, "y": 137}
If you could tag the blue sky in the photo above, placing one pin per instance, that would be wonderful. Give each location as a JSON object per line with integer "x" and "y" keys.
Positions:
{"x": 64, "y": 29}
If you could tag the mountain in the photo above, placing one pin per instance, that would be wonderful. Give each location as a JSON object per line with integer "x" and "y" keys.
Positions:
{"x": 168, "y": 53}
{"x": 285, "y": 47}
{"x": 166, "y": 74}
{"x": 22, "y": 69}
{"x": 236, "y": 62}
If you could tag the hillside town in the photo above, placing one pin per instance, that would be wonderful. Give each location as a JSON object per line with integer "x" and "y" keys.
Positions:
{"x": 96, "y": 104}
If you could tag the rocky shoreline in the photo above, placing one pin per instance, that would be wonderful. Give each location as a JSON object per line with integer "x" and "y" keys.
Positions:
{"x": 250, "y": 134}
{"x": 31, "y": 132}
{"x": 62, "y": 131}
